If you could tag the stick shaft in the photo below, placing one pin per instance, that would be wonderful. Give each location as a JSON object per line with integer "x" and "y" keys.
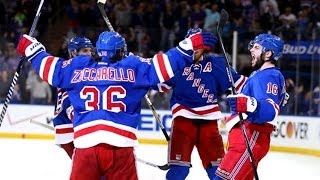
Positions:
{"x": 42, "y": 125}
{"x": 155, "y": 114}
{"x": 224, "y": 18}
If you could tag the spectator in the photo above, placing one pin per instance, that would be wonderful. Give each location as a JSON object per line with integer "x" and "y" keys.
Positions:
{"x": 288, "y": 22}
{"x": 40, "y": 91}
{"x": 184, "y": 20}
{"x": 167, "y": 21}
{"x": 212, "y": 16}
{"x": 197, "y": 16}
{"x": 11, "y": 56}
{"x": 122, "y": 12}
{"x": 4, "y": 84}
{"x": 268, "y": 14}
{"x": 316, "y": 100}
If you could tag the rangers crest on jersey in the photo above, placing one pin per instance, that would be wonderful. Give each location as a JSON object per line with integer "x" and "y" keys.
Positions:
{"x": 66, "y": 63}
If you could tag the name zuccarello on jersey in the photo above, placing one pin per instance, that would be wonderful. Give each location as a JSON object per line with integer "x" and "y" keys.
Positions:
{"x": 103, "y": 74}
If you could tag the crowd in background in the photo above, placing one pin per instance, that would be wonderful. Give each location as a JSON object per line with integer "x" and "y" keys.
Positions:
{"x": 153, "y": 25}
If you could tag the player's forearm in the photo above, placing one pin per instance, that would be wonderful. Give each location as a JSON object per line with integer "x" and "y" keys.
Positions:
{"x": 46, "y": 67}
{"x": 266, "y": 111}
{"x": 167, "y": 65}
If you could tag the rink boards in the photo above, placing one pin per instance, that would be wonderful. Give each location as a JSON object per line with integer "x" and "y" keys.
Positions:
{"x": 295, "y": 134}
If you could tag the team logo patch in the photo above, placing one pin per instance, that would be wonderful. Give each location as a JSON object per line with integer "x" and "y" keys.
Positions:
{"x": 66, "y": 63}
{"x": 147, "y": 60}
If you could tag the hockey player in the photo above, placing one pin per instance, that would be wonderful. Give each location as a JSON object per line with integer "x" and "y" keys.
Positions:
{"x": 106, "y": 97}
{"x": 195, "y": 111}
{"x": 63, "y": 113}
{"x": 259, "y": 104}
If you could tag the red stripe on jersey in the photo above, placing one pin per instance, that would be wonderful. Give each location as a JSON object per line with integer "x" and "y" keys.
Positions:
{"x": 200, "y": 112}
{"x": 103, "y": 127}
{"x": 241, "y": 83}
{"x": 162, "y": 66}
{"x": 64, "y": 131}
{"x": 47, "y": 68}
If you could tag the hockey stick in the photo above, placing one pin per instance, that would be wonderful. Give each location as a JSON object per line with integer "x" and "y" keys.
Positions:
{"x": 42, "y": 124}
{"x": 155, "y": 114}
{"x": 162, "y": 167}
{"x": 100, "y": 5}
{"x": 224, "y": 16}
{"x": 19, "y": 67}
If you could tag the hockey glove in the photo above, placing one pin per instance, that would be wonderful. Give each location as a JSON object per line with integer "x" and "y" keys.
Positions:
{"x": 241, "y": 103}
{"x": 201, "y": 40}
{"x": 285, "y": 99}
{"x": 29, "y": 47}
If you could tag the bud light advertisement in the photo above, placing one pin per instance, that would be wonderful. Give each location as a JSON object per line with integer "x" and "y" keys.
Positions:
{"x": 304, "y": 50}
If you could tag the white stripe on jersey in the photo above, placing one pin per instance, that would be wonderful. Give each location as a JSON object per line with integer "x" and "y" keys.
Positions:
{"x": 192, "y": 113}
{"x": 168, "y": 65}
{"x": 63, "y": 138}
{"x": 63, "y": 126}
{"x": 107, "y": 137}
{"x": 47, "y": 67}
{"x": 43, "y": 63}
{"x": 105, "y": 122}
{"x": 51, "y": 71}
{"x": 239, "y": 83}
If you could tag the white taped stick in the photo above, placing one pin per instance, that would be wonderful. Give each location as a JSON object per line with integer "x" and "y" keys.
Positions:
{"x": 42, "y": 125}
{"x": 102, "y": 1}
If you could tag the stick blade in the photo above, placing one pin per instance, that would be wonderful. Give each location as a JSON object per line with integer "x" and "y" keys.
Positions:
{"x": 164, "y": 167}
{"x": 224, "y": 16}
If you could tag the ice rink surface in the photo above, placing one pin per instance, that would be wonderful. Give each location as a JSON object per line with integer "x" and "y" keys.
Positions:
{"x": 42, "y": 160}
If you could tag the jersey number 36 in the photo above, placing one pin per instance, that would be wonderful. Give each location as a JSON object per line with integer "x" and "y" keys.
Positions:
{"x": 94, "y": 101}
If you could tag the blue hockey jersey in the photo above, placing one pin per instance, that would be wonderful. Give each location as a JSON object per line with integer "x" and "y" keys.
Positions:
{"x": 268, "y": 87}
{"x": 62, "y": 118}
{"x": 107, "y": 97}
{"x": 197, "y": 87}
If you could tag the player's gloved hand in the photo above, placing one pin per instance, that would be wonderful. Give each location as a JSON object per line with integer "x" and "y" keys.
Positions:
{"x": 242, "y": 103}
{"x": 200, "y": 40}
{"x": 191, "y": 32}
{"x": 285, "y": 99}
{"x": 29, "y": 47}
